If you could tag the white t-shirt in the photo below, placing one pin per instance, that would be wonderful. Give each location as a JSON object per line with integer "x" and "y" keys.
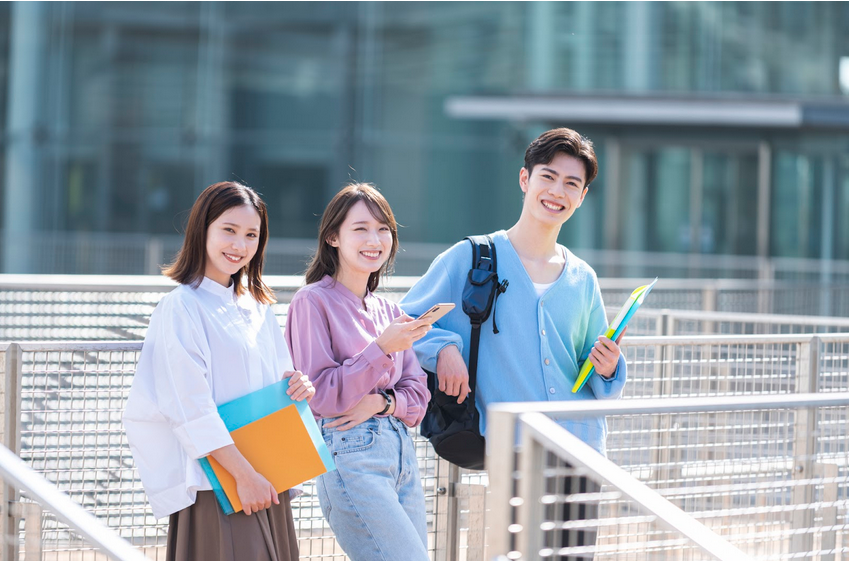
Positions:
{"x": 204, "y": 347}
{"x": 542, "y": 288}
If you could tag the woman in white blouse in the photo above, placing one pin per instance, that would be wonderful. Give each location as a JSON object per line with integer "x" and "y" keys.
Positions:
{"x": 211, "y": 340}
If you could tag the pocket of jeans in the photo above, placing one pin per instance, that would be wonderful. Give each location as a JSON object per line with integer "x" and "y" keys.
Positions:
{"x": 354, "y": 440}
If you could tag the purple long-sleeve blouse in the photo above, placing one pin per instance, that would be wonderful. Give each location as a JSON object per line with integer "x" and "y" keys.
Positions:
{"x": 332, "y": 340}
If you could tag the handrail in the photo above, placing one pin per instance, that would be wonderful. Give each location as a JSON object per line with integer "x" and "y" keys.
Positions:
{"x": 636, "y": 341}
{"x": 778, "y": 338}
{"x": 576, "y": 452}
{"x": 155, "y": 283}
{"x": 583, "y": 408}
{"x": 13, "y": 469}
{"x": 703, "y": 315}
{"x": 503, "y": 421}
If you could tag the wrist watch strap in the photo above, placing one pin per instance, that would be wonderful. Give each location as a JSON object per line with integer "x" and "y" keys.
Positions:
{"x": 389, "y": 402}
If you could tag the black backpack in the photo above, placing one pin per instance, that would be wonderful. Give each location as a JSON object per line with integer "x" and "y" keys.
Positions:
{"x": 453, "y": 428}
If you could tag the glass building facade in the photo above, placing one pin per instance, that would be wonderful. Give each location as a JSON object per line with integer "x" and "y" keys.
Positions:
{"x": 721, "y": 127}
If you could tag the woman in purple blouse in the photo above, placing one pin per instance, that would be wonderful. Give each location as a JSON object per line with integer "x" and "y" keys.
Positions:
{"x": 356, "y": 349}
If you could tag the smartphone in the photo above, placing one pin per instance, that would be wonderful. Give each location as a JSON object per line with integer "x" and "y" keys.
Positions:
{"x": 436, "y": 312}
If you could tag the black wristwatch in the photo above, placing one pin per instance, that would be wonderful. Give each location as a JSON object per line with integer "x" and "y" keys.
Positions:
{"x": 389, "y": 401}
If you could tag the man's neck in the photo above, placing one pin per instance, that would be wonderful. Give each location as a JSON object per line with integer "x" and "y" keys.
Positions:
{"x": 533, "y": 240}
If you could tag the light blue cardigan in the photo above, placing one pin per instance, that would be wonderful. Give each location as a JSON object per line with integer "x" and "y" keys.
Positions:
{"x": 541, "y": 343}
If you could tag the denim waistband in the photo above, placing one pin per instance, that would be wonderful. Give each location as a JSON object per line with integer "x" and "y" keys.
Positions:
{"x": 377, "y": 424}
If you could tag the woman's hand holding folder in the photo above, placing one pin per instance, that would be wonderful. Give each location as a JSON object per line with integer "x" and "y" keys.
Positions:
{"x": 300, "y": 386}
{"x": 254, "y": 490}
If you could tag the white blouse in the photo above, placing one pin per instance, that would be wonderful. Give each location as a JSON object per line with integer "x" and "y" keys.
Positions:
{"x": 204, "y": 347}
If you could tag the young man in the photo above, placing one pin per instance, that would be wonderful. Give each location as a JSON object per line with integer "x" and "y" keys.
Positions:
{"x": 550, "y": 319}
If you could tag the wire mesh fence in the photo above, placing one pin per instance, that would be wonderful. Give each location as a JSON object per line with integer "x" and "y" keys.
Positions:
{"x": 716, "y": 365}
{"x": 72, "y": 398}
{"x": 769, "y": 478}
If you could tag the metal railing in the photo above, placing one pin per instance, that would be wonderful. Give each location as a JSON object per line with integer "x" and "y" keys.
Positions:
{"x": 56, "y": 307}
{"x": 767, "y": 474}
{"x": 63, "y": 403}
{"x": 133, "y": 254}
{"x": 42, "y": 502}
{"x": 69, "y": 399}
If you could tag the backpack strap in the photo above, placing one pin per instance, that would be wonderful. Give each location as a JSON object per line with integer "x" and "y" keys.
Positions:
{"x": 483, "y": 258}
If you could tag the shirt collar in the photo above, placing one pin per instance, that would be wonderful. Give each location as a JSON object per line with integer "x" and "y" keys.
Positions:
{"x": 329, "y": 282}
{"x": 226, "y": 293}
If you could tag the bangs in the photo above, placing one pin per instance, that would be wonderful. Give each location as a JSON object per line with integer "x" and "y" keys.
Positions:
{"x": 377, "y": 210}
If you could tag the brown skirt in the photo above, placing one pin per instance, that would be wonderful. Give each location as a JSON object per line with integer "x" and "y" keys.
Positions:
{"x": 202, "y": 532}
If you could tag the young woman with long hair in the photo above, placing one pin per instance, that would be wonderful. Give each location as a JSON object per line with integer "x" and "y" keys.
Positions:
{"x": 356, "y": 349}
{"x": 211, "y": 340}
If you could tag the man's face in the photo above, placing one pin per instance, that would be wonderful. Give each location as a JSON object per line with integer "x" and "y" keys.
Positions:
{"x": 553, "y": 191}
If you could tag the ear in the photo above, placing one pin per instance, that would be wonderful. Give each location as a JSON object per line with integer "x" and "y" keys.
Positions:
{"x": 581, "y": 200}
{"x": 523, "y": 180}
{"x": 333, "y": 241}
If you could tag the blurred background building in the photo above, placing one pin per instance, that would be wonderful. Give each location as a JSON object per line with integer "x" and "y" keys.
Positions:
{"x": 721, "y": 127}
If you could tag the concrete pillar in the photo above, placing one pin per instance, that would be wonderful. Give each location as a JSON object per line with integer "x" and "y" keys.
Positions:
{"x": 27, "y": 53}
{"x": 540, "y": 66}
{"x": 212, "y": 108}
{"x": 637, "y": 46}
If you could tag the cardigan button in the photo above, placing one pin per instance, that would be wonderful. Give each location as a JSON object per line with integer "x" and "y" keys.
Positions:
{"x": 543, "y": 332}
{"x": 546, "y": 362}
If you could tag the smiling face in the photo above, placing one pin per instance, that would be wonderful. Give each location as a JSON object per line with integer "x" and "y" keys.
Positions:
{"x": 232, "y": 241}
{"x": 553, "y": 191}
{"x": 363, "y": 243}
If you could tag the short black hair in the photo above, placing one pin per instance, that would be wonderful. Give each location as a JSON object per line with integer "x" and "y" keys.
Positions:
{"x": 545, "y": 147}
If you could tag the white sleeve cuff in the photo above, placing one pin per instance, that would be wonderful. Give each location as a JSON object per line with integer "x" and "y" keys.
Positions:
{"x": 201, "y": 436}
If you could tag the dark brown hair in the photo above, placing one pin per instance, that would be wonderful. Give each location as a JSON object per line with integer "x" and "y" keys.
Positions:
{"x": 189, "y": 265}
{"x": 326, "y": 259}
{"x": 546, "y": 146}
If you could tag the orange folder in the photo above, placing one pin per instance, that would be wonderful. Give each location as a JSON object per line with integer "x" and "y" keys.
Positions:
{"x": 282, "y": 443}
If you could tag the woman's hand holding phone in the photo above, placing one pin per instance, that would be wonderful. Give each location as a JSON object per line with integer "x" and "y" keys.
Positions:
{"x": 402, "y": 333}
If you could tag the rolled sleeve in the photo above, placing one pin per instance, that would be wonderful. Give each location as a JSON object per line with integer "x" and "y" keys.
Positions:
{"x": 179, "y": 356}
{"x": 201, "y": 436}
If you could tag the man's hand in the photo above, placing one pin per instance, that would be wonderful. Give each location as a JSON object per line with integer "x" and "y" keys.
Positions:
{"x": 452, "y": 373}
{"x": 605, "y": 355}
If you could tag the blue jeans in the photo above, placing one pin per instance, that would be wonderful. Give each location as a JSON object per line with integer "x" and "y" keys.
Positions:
{"x": 373, "y": 501}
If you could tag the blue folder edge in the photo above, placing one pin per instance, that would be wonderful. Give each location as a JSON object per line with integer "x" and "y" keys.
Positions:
{"x": 623, "y": 324}
{"x": 226, "y": 506}
{"x": 256, "y": 405}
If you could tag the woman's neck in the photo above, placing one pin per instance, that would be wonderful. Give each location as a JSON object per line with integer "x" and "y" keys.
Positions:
{"x": 357, "y": 283}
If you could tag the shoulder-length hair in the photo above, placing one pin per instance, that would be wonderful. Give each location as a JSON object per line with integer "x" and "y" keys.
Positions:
{"x": 190, "y": 264}
{"x": 326, "y": 259}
